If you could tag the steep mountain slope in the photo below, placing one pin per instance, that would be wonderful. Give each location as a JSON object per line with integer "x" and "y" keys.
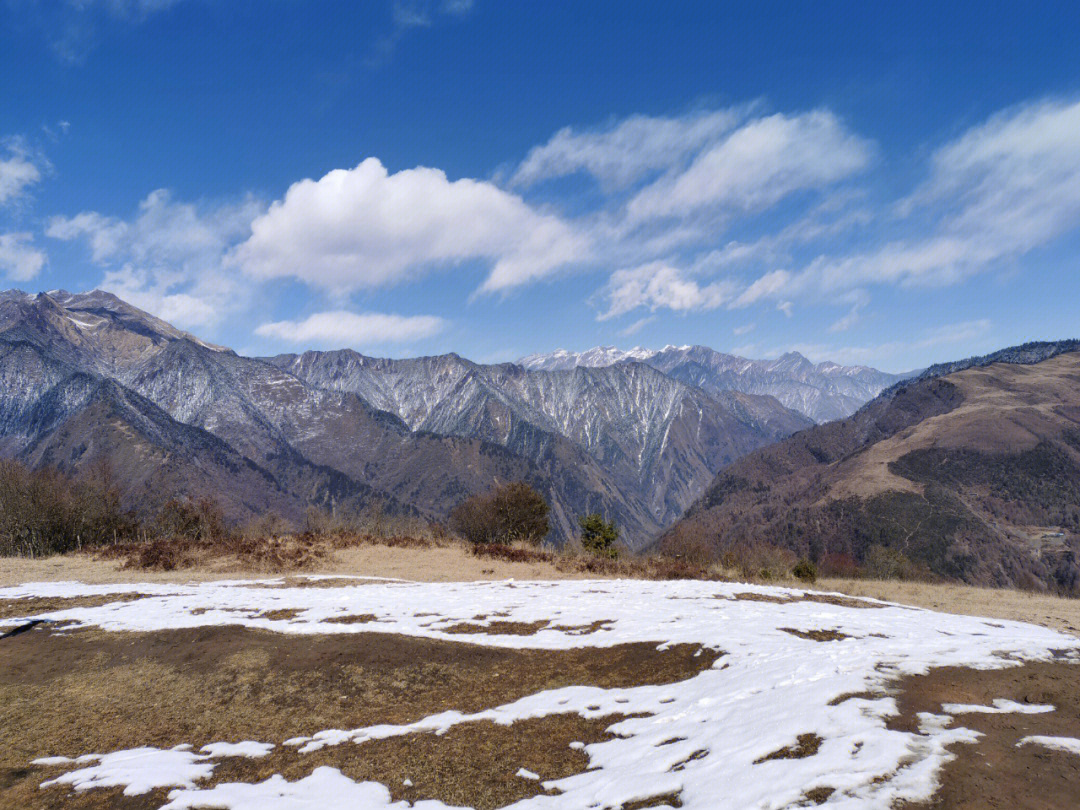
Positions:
{"x": 822, "y": 391}
{"x": 973, "y": 475}
{"x": 650, "y": 438}
{"x": 58, "y": 416}
{"x": 60, "y": 408}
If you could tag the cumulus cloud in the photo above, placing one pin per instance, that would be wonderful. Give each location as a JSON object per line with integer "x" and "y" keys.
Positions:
{"x": 350, "y": 328}
{"x": 659, "y": 285}
{"x": 624, "y": 152}
{"x": 18, "y": 170}
{"x": 168, "y": 257}
{"x": 757, "y": 165}
{"x": 364, "y": 227}
{"x": 19, "y": 259}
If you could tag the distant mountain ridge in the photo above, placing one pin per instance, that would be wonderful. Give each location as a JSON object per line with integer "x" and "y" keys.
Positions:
{"x": 647, "y": 435}
{"x": 822, "y": 391}
{"x": 87, "y": 377}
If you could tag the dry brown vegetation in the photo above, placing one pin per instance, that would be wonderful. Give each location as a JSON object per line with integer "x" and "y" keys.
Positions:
{"x": 215, "y": 684}
{"x": 806, "y": 745}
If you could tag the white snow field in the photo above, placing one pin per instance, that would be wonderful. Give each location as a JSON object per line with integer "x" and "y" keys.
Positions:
{"x": 703, "y": 739}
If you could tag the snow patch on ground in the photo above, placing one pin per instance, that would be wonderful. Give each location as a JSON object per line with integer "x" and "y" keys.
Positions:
{"x": 247, "y": 748}
{"x": 768, "y": 689}
{"x": 1000, "y": 706}
{"x": 138, "y": 770}
{"x": 326, "y": 789}
{"x": 1069, "y": 744}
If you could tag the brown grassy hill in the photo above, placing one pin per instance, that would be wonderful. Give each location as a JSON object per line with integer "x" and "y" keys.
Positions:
{"x": 972, "y": 476}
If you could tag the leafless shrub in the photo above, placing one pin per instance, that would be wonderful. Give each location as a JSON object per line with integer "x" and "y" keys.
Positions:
{"x": 510, "y": 513}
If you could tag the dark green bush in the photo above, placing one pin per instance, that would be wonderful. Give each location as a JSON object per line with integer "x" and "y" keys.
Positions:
{"x": 805, "y": 571}
{"x": 598, "y": 536}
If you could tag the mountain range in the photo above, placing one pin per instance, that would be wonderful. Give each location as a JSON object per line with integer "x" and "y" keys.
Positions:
{"x": 969, "y": 471}
{"x": 88, "y": 377}
{"x": 821, "y": 391}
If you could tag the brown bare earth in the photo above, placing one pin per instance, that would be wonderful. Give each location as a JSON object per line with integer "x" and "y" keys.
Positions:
{"x": 996, "y": 772}
{"x": 196, "y": 686}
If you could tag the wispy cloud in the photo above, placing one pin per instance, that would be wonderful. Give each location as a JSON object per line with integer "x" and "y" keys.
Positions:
{"x": 624, "y": 152}
{"x": 637, "y": 326}
{"x": 20, "y": 260}
{"x": 756, "y": 166}
{"x": 341, "y": 328}
{"x": 168, "y": 258}
{"x": 72, "y": 27}
{"x": 1000, "y": 190}
{"x": 407, "y": 15}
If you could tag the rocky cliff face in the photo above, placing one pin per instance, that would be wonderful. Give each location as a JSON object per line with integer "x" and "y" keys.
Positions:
{"x": 822, "y": 391}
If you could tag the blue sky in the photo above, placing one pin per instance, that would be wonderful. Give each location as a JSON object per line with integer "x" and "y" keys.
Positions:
{"x": 889, "y": 184}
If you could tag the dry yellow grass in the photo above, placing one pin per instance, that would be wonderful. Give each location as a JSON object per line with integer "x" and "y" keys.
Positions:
{"x": 436, "y": 564}
{"x": 1055, "y": 612}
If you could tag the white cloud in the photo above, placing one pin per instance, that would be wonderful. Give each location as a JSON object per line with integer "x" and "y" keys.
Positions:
{"x": 168, "y": 258}
{"x": 363, "y": 227}
{"x": 744, "y": 329}
{"x": 623, "y": 153}
{"x": 757, "y": 165}
{"x": 768, "y": 285}
{"x": 659, "y": 285}
{"x": 18, "y": 170}
{"x": 19, "y": 259}
{"x": 72, "y": 27}
{"x": 1002, "y": 189}
{"x": 349, "y": 328}
{"x": 406, "y": 15}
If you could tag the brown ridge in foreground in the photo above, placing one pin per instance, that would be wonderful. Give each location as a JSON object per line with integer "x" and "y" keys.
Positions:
{"x": 973, "y": 476}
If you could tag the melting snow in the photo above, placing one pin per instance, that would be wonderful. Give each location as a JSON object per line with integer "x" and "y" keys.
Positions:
{"x": 139, "y": 770}
{"x": 1000, "y": 706}
{"x": 705, "y": 739}
{"x": 1069, "y": 744}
